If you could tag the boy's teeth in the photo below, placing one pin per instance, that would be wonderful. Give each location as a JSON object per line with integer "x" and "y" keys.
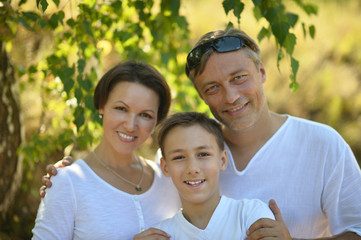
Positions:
{"x": 193, "y": 183}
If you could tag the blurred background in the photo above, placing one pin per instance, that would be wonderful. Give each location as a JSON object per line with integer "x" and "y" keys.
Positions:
{"x": 329, "y": 92}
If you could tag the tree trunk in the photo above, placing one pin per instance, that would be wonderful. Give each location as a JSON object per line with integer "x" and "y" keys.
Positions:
{"x": 11, "y": 165}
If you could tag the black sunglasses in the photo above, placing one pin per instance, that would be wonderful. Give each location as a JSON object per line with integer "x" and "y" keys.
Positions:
{"x": 220, "y": 44}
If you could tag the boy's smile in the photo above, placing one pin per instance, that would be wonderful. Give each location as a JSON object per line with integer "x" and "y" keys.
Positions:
{"x": 193, "y": 160}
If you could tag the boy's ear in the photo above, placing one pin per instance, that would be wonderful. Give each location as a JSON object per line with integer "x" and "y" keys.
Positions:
{"x": 224, "y": 160}
{"x": 164, "y": 167}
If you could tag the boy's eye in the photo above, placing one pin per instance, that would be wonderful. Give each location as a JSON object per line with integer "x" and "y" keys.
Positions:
{"x": 203, "y": 154}
{"x": 178, "y": 158}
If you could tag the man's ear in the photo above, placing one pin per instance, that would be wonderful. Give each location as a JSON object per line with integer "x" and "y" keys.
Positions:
{"x": 262, "y": 70}
{"x": 164, "y": 167}
{"x": 224, "y": 160}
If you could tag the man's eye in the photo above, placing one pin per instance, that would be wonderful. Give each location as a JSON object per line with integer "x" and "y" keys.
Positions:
{"x": 239, "y": 78}
{"x": 212, "y": 89}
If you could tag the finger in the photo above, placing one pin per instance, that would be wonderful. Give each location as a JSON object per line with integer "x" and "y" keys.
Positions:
{"x": 263, "y": 233}
{"x": 42, "y": 191}
{"x": 67, "y": 160}
{"x": 51, "y": 170}
{"x": 46, "y": 181}
{"x": 260, "y": 223}
{"x": 152, "y": 233}
{"x": 275, "y": 209}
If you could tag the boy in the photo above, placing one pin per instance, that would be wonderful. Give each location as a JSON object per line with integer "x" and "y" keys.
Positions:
{"x": 193, "y": 153}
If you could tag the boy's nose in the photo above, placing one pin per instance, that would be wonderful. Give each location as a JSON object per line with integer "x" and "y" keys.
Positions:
{"x": 193, "y": 166}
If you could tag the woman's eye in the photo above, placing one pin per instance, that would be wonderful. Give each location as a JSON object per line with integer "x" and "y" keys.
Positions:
{"x": 121, "y": 108}
{"x": 146, "y": 115}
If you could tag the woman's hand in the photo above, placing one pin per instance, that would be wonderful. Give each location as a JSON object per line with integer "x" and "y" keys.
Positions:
{"x": 51, "y": 170}
{"x": 152, "y": 233}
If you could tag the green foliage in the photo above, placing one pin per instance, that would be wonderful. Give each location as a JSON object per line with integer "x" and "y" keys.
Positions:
{"x": 280, "y": 22}
{"x": 133, "y": 29}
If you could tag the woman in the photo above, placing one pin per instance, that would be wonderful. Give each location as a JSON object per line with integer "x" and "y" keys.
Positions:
{"x": 113, "y": 193}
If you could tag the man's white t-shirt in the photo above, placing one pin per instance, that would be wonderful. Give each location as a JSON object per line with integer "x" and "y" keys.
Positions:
{"x": 312, "y": 174}
{"x": 230, "y": 220}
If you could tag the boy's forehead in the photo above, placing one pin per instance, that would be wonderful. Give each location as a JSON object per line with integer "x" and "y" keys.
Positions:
{"x": 186, "y": 137}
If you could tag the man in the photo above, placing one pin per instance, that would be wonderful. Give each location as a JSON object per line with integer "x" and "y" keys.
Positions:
{"x": 305, "y": 166}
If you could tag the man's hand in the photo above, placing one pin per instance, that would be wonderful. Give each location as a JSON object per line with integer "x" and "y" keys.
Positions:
{"x": 265, "y": 228}
{"x": 51, "y": 170}
{"x": 152, "y": 233}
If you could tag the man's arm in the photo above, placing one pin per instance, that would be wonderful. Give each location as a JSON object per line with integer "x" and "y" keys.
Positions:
{"x": 51, "y": 170}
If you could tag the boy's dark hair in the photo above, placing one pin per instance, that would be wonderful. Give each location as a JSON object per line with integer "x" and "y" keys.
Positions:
{"x": 187, "y": 119}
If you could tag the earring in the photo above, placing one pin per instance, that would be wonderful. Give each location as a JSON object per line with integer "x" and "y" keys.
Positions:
{"x": 100, "y": 116}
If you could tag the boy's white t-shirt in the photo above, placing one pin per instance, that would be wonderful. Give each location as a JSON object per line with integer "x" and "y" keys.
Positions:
{"x": 230, "y": 220}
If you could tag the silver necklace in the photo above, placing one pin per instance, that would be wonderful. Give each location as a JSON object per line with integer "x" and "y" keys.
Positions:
{"x": 137, "y": 186}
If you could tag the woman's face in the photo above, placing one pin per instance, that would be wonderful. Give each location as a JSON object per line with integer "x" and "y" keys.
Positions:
{"x": 129, "y": 116}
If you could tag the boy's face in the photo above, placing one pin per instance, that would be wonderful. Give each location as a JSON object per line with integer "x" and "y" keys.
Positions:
{"x": 192, "y": 159}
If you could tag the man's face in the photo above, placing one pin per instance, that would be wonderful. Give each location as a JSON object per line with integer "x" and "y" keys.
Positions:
{"x": 232, "y": 86}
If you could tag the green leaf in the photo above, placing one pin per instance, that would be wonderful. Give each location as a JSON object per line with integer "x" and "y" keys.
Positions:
{"x": 71, "y": 22}
{"x": 44, "y": 5}
{"x": 304, "y": 30}
{"x": 270, "y": 14}
{"x": 78, "y": 94}
{"x": 263, "y": 33}
{"x": 66, "y": 77}
{"x": 256, "y": 2}
{"x": 88, "y": 28}
{"x": 31, "y": 15}
{"x": 81, "y": 66}
{"x": 292, "y": 19}
{"x": 310, "y": 9}
{"x": 238, "y": 9}
{"x": 56, "y": 2}
{"x": 79, "y": 116}
{"x": 280, "y": 56}
{"x": 89, "y": 102}
{"x": 257, "y": 13}
{"x": 280, "y": 30}
{"x": 312, "y": 31}
{"x": 228, "y": 5}
{"x": 294, "y": 65}
{"x": 290, "y": 43}
{"x": 53, "y": 21}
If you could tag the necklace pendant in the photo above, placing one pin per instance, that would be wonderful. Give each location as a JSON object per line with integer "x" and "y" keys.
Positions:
{"x": 138, "y": 188}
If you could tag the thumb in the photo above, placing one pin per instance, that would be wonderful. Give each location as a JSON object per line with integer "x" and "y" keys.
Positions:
{"x": 276, "y": 211}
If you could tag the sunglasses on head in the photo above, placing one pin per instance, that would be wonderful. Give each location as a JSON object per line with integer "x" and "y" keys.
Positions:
{"x": 220, "y": 44}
